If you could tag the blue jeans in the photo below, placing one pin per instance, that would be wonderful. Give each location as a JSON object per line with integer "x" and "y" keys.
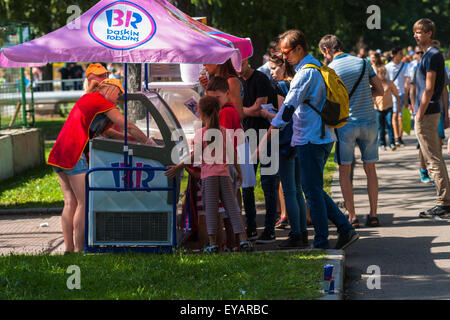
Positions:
{"x": 441, "y": 130}
{"x": 269, "y": 186}
{"x": 384, "y": 120}
{"x": 290, "y": 177}
{"x": 321, "y": 207}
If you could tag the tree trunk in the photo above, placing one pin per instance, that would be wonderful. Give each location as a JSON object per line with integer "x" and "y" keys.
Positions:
{"x": 259, "y": 49}
{"x": 136, "y": 111}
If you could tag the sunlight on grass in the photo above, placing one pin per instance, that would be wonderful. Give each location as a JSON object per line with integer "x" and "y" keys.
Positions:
{"x": 168, "y": 276}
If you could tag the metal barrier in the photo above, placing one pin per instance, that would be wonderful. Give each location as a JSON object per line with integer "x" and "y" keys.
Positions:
{"x": 12, "y": 100}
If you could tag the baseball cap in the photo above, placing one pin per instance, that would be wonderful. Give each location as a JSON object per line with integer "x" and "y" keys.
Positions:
{"x": 96, "y": 68}
{"x": 114, "y": 82}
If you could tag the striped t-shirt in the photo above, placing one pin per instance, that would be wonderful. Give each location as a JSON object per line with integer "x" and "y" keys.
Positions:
{"x": 349, "y": 69}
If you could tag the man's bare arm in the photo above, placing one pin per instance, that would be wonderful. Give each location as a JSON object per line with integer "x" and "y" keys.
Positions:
{"x": 255, "y": 109}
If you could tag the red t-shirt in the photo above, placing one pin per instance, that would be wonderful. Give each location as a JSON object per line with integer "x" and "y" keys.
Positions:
{"x": 229, "y": 119}
{"x": 74, "y": 134}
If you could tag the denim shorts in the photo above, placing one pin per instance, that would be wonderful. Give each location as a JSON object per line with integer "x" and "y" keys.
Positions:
{"x": 80, "y": 167}
{"x": 362, "y": 133}
{"x": 396, "y": 108}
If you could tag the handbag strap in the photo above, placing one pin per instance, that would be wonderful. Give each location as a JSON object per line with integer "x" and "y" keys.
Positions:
{"x": 401, "y": 67}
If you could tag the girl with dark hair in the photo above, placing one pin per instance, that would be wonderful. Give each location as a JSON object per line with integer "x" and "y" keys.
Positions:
{"x": 215, "y": 175}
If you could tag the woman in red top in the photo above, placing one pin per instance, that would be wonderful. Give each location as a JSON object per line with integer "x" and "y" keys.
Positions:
{"x": 68, "y": 154}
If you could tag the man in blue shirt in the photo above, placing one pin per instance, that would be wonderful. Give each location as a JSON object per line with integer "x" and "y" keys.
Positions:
{"x": 313, "y": 149}
{"x": 429, "y": 86}
{"x": 361, "y": 127}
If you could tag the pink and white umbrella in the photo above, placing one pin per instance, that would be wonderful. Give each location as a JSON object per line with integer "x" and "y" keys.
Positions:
{"x": 136, "y": 31}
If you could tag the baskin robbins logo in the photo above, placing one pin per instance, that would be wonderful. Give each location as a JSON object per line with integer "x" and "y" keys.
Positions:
{"x": 122, "y": 25}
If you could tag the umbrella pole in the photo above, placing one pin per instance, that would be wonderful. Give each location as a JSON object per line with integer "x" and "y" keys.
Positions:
{"x": 146, "y": 88}
{"x": 125, "y": 146}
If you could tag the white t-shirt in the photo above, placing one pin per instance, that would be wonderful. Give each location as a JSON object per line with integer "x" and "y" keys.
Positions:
{"x": 392, "y": 70}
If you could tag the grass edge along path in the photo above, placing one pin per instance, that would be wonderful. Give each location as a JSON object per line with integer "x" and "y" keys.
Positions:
{"x": 177, "y": 276}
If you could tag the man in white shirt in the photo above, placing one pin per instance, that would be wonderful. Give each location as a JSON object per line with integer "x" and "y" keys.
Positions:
{"x": 398, "y": 71}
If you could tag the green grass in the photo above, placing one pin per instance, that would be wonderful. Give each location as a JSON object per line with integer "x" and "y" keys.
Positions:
{"x": 169, "y": 277}
{"x": 50, "y": 127}
{"x": 35, "y": 188}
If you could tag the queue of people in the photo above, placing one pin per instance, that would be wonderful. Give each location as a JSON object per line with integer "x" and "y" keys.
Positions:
{"x": 283, "y": 94}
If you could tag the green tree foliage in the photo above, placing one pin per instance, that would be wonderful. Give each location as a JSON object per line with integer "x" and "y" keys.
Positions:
{"x": 262, "y": 20}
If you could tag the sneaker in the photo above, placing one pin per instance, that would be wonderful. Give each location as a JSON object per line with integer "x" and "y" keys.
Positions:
{"x": 401, "y": 143}
{"x": 211, "y": 249}
{"x": 397, "y": 142}
{"x": 294, "y": 241}
{"x": 344, "y": 240}
{"x": 383, "y": 148}
{"x": 266, "y": 237}
{"x": 393, "y": 147}
{"x": 424, "y": 177}
{"x": 436, "y": 212}
{"x": 305, "y": 237}
{"x": 282, "y": 223}
{"x": 251, "y": 234}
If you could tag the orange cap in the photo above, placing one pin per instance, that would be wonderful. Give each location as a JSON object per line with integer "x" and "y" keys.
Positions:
{"x": 114, "y": 82}
{"x": 96, "y": 68}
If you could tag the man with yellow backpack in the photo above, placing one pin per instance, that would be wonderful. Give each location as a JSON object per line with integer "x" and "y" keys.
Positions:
{"x": 316, "y": 102}
{"x": 361, "y": 129}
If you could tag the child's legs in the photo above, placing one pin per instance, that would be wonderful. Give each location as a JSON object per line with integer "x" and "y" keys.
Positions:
{"x": 229, "y": 233}
{"x": 227, "y": 195}
{"x": 202, "y": 234}
{"x": 239, "y": 198}
{"x": 389, "y": 128}
{"x": 210, "y": 187}
{"x": 220, "y": 235}
{"x": 381, "y": 127}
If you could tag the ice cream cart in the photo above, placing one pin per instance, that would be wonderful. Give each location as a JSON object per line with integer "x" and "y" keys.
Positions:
{"x": 142, "y": 219}
{"x": 130, "y": 204}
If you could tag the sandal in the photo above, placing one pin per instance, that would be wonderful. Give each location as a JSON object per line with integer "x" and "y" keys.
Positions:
{"x": 282, "y": 223}
{"x": 246, "y": 246}
{"x": 372, "y": 221}
{"x": 211, "y": 249}
{"x": 355, "y": 223}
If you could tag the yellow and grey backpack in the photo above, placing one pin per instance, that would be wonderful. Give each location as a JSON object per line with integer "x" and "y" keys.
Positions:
{"x": 335, "y": 110}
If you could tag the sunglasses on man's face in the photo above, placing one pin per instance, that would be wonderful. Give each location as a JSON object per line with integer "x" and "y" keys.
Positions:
{"x": 419, "y": 52}
{"x": 286, "y": 53}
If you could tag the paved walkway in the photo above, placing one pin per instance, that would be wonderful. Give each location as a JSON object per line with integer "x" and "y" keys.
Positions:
{"x": 24, "y": 234}
{"x": 413, "y": 254}
{"x": 20, "y": 234}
